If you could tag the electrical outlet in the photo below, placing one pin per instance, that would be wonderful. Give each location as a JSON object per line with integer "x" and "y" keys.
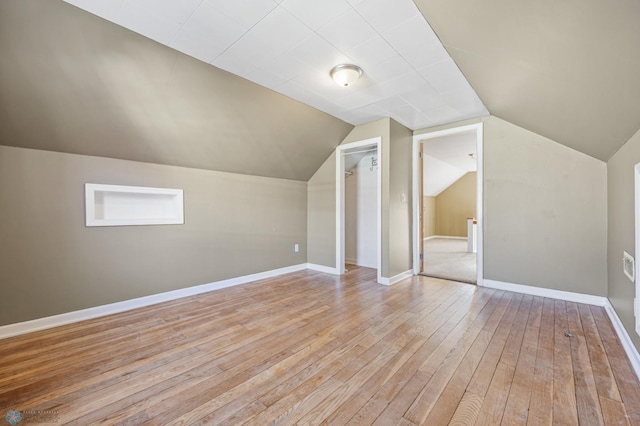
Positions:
{"x": 628, "y": 266}
{"x": 296, "y": 248}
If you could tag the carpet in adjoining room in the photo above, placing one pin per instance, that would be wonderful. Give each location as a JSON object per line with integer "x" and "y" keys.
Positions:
{"x": 448, "y": 258}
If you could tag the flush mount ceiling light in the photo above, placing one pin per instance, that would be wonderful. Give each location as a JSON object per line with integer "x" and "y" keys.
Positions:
{"x": 345, "y": 74}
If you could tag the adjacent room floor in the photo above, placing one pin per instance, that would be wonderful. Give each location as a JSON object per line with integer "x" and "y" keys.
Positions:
{"x": 448, "y": 258}
{"x": 308, "y": 347}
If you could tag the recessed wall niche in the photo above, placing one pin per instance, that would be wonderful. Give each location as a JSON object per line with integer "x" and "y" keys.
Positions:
{"x": 117, "y": 205}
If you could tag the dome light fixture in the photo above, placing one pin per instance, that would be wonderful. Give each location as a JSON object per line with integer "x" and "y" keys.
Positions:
{"x": 346, "y": 74}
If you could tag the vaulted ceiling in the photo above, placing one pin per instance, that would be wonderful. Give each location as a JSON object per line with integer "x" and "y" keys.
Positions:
{"x": 568, "y": 70}
{"x": 243, "y": 86}
{"x": 72, "y": 82}
{"x": 290, "y": 46}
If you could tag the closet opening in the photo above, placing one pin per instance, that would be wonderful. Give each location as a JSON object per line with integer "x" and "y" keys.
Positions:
{"x": 358, "y": 205}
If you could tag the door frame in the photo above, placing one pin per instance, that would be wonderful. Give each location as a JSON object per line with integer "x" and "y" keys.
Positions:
{"x": 340, "y": 201}
{"x": 417, "y": 193}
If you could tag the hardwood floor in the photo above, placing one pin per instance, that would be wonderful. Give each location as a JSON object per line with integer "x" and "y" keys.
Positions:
{"x": 311, "y": 348}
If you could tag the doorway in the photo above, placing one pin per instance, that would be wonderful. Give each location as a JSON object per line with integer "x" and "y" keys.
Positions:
{"x": 349, "y": 158}
{"x": 447, "y": 182}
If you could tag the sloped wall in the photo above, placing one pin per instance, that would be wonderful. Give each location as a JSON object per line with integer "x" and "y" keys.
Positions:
{"x": 73, "y": 82}
{"x": 454, "y": 205}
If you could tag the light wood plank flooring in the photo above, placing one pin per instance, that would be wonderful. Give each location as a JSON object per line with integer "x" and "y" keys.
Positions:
{"x": 311, "y": 348}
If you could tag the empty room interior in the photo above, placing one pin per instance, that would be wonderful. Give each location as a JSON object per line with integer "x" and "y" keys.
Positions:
{"x": 237, "y": 212}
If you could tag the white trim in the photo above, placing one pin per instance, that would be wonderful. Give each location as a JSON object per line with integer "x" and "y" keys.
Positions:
{"x": 351, "y": 261}
{"x": 340, "y": 252}
{"x": 636, "y": 300}
{"x": 547, "y": 292}
{"x": 417, "y": 192}
{"x": 625, "y": 340}
{"x": 322, "y": 268}
{"x": 114, "y": 308}
{"x": 143, "y": 206}
{"x": 11, "y": 330}
{"x": 397, "y": 278}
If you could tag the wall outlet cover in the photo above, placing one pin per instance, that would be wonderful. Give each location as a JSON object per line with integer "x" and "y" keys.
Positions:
{"x": 629, "y": 266}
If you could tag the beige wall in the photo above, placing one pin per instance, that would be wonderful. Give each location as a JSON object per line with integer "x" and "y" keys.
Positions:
{"x": 51, "y": 263}
{"x": 544, "y": 209}
{"x": 400, "y": 225}
{"x": 321, "y": 216}
{"x": 544, "y": 212}
{"x": 621, "y": 235}
{"x": 429, "y": 216}
{"x": 321, "y": 199}
{"x": 395, "y": 157}
{"x": 454, "y": 205}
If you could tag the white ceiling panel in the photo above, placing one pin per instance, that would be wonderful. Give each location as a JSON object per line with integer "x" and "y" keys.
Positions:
{"x": 416, "y": 42}
{"x": 388, "y": 104}
{"x": 359, "y": 99}
{"x": 235, "y": 64}
{"x": 107, "y": 9}
{"x": 277, "y": 33}
{"x": 424, "y": 98}
{"x": 445, "y": 76}
{"x": 159, "y": 20}
{"x": 464, "y": 100}
{"x": 245, "y": 12}
{"x": 389, "y": 69}
{"x": 288, "y": 67}
{"x": 371, "y": 52}
{"x": 316, "y": 51}
{"x": 401, "y": 84}
{"x": 291, "y": 45}
{"x": 207, "y": 34}
{"x": 348, "y": 30}
{"x": 386, "y": 14}
{"x": 316, "y": 14}
{"x": 443, "y": 114}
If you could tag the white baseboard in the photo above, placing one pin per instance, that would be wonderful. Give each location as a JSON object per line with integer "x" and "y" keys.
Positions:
{"x": 401, "y": 276}
{"x": 625, "y": 340}
{"x": 351, "y": 261}
{"x": 322, "y": 268}
{"x": 546, "y": 292}
{"x": 627, "y": 344}
{"x": 114, "y": 308}
{"x": 445, "y": 237}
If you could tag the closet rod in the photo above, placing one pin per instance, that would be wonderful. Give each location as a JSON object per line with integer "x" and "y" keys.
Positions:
{"x": 359, "y": 152}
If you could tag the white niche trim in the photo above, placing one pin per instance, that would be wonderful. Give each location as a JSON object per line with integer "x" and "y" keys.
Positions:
{"x": 116, "y": 205}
